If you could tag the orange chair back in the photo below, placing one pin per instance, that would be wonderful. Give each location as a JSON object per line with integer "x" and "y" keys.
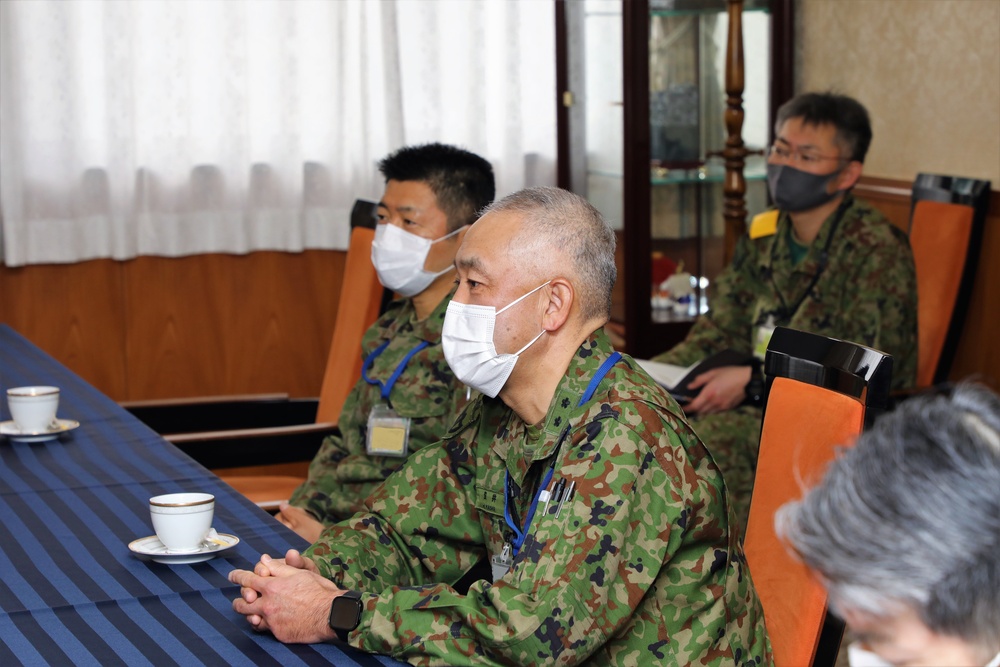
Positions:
{"x": 939, "y": 236}
{"x": 821, "y": 394}
{"x": 360, "y": 299}
{"x": 803, "y": 426}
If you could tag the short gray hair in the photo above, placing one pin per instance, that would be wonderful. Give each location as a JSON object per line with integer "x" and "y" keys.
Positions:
{"x": 911, "y": 517}
{"x": 558, "y": 221}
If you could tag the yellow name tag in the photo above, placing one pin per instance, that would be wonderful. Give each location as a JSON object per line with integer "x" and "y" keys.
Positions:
{"x": 388, "y": 441}
{"x": 388, "y": 433}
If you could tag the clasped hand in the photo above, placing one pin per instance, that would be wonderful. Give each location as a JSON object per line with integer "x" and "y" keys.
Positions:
{"x": 287, "y": 597}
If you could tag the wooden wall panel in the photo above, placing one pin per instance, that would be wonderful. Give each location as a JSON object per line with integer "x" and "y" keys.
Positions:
{"x": 295, "y": 326}
{"x": 978, "y": 356}
{"x": 176, "y": 332}
{"x": 75, "y": 313}
{"x": 228, "y": 324}
{"x": 158, "y": 327}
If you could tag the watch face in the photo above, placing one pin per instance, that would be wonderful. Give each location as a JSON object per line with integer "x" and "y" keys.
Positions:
{"x": 345, "y": 613}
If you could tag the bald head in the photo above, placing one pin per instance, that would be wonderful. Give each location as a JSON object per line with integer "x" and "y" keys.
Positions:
{"x": 562, "y": 231}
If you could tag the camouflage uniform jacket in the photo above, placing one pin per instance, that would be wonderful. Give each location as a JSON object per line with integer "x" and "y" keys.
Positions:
{"x": 867, "y": 294}
{"x": 342, "y": 474}
{"x": 640, "y": 568}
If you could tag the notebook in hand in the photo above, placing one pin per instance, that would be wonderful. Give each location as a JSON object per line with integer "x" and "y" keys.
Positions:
{"x": 676, "y": 379}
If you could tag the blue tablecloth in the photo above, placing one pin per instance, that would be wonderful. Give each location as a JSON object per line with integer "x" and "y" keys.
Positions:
{"x": 71, "y": 591}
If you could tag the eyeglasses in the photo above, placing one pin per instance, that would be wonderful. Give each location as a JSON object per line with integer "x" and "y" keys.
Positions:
{"x": 798, "y": 155}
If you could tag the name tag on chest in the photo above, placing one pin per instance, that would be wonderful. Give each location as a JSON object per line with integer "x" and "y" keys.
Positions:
{"x": 489, "y": 500}
{"x": 388, "y": 433}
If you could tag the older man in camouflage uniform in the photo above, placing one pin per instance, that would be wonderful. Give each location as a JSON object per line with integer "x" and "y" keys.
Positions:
{"x": 824, "y": 261}
{"x": 432, "y": 193}
{"x": 603, "y": 517}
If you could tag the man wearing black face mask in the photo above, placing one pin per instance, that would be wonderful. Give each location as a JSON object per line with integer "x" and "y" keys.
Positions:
{"x": 823, "y": 261}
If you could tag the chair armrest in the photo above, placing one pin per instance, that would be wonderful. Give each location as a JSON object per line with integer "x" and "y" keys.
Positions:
{"x": 253, "y": 447}
{"x": 223, "y": 413}
{"x": 170, "y": 402}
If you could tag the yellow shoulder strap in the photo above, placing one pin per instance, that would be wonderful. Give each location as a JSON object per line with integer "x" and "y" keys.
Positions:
{"x": 764, "y": 224}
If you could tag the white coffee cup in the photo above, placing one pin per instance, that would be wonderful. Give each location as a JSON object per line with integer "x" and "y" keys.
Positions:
{"x": 33, "y": 408}
{"x": 182, "y": 520}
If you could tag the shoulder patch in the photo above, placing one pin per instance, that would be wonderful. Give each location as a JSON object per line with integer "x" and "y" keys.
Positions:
{"x": 764, "y": 224}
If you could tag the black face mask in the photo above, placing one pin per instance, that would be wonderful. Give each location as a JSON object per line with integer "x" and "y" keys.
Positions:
{"x": 794, "y": 190}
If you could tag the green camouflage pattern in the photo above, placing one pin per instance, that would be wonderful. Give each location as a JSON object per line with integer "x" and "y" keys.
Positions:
{"x": 640, "y": 568}
{"x": 733, "y": 437}
{"x": 866, "y": 295}
{"x": 342, "y": 474}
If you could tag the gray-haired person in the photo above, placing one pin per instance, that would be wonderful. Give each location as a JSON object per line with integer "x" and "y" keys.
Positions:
{"x": 904, "y": 531}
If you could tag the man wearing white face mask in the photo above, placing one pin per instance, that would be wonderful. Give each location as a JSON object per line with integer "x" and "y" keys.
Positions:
{"x": 407, "y": 395}
{"x": 569, "y": 516}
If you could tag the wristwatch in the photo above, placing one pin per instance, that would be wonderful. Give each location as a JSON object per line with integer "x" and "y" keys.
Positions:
{"x": 345, "y": 613}
{"x": 755, "y": 387}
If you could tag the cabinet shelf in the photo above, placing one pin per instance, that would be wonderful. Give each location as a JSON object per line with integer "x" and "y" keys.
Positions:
{"x": 702, "y": 7}
{"x": 653, "y": 83}
{"x": 707, "y": 174}
{"x": 673, "y": 176}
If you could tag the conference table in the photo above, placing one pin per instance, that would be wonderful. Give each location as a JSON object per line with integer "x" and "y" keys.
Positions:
{"x": 72, "y": 591}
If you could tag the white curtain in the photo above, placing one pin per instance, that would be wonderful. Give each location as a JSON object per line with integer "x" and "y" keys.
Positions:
{"x": 174, "y": 127}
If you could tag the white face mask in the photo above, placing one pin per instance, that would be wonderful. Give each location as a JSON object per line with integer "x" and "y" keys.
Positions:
{"x": 467, "y": 341}
{"x": 399, "y": 258}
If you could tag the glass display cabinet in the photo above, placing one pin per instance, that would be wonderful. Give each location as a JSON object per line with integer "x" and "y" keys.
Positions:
{"x": 667, "y": 108}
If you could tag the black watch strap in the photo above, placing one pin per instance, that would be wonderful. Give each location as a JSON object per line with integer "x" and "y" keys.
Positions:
{"x": 345, "y": 614}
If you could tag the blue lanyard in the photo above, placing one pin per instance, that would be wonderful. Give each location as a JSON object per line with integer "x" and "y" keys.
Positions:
{"x": 520, "y": 535}
{"x": 387, "y": 386}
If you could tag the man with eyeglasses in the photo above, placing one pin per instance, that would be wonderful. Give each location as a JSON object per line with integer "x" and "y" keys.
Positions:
{"x": 822, "y": 261}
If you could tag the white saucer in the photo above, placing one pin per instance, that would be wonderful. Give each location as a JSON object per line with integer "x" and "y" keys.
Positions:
{"x": 151, "y": 547}
{"x": 60, "y": 426}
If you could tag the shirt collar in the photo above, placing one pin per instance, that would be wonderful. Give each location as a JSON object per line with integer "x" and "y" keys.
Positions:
{"x": 563, "y": 408}
{"x": 582, "y": 367}
{"x": 428, "y": 329}
{"x": 810, "y": 263}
